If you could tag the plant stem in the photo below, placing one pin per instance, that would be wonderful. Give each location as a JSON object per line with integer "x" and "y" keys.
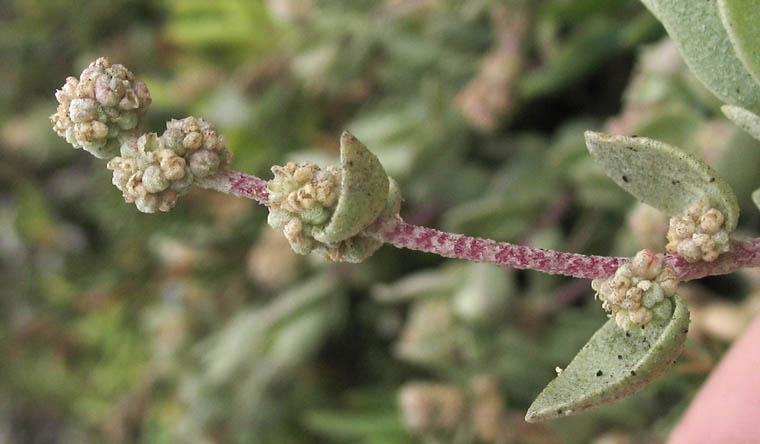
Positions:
{"x": 395, "y": 231}
{"x": 403, "y": 235}
{"x": 238, "y": 184}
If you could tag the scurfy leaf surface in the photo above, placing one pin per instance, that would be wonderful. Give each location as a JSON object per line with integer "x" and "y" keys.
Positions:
{"x": 363, "y": 193}
{"x": 661, "y": 175}
{"x": 703, "y": 42}
{"x": 613, "y": 364}
{"x": 746, "y": 120}
{"x": 741, "y": 18}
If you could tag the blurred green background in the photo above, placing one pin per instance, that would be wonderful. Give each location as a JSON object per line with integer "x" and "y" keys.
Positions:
{"x": 200, "y": 325}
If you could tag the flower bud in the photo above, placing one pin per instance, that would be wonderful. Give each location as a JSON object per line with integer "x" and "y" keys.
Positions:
{"x": 689, "y": 250}
{"x": 633, "y": 301}
{"x": 204, "y": 163}
{"x": 699, "y": 234}
{"x": 153, "y": 180}
{"x": 92, "y": 112}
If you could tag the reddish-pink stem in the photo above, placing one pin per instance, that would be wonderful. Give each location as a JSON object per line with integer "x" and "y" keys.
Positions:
{"x": 745, "y": 253}
{"x": 404, "y": 235}
{"x": 239, "y": 184}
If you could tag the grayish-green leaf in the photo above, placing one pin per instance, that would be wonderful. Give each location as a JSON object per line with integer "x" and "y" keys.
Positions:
{"x": 421, "y": 284}
{"x": 245, "y": 335}
{"x": 613, "y": 364}
{"x": 697, "y": 29}
{"x": 352, "y": 425}
{"x": 756, "y": 198}
{"x": 363, "y": 193}
{"x": 741, "y": 18}
{"x": 746, "y": 120}
{"x": 485, "y": 293}
{"x": 661, "y": 175}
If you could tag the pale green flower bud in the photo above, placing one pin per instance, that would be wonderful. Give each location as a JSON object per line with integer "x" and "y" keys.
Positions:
{"x": 699, "y": 234}
{"x": 154, "y": 180}
{"x": 204, "y": 163}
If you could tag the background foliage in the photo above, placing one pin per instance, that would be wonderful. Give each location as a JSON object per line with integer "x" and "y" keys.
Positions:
{"x": 201, "y": 326}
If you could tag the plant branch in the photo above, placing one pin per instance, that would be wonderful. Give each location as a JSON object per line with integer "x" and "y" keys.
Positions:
{"x": 403, "y": 235}
{"x": 394, "y": 231}
{"x": 238, "y": 184}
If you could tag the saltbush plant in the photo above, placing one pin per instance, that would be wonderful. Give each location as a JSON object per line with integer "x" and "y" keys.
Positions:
{"x": 348, "y": 211}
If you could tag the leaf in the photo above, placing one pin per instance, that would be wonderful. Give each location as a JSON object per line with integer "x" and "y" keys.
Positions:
{"x": 584, "y": 50}
{"x": 485, "y": 293}
{"x": 661, "y": 175}
{"x": 613, "y": 364}
{"x": 746, "y": 120}
{"x": 756, "y": 198}
{"x": 697, "y": 30}
{"x": 363, "y": 193}
{"x": 741, "y": 19}
{"x": 352, "y": 425}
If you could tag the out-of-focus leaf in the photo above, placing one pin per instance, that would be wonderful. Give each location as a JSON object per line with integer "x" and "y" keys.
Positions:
{"x": 297, "y": 340}
{"x": 756, "y": 198}
{"x": 425, "y": 283}
{"x": 352, "y": 426}
{"x": 614, "y": 363}
{"x": 490, "y": 217}
{"x": 486, "y": 293}
{"x": 661, "y": 175}
{"x": 583, "y": 52}
{"x": 244, "y": 336}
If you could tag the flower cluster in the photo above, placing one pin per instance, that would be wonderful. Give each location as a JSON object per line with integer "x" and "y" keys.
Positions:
{"x": 435, "y": 407}
{"x": 637, "y": 291}
{"x": 699, "y": 234}
{"x": 153, "y": 171}
{"x": 430, "y": 407}
{"x": 304, "y": 187}
{"x": 302, "y": 197}
{"x": 302, "y": 200}
{"x": 96, "y": 110}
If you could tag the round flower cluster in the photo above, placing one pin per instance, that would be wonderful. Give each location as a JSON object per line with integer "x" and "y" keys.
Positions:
{"x": 488, "y": 410}
{"x": 699, "y": 234}
{"x": 302, "y": 197}
{"x": 153, "y": 171}
{"x": 302, "y": 200}
{"x": 638, "y": 290}
{"x": 197, "y": 140}
{"x": 304, "y": 187}
{"x": 96, "y": 110}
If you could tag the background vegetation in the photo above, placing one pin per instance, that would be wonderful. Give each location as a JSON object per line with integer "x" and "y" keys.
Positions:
{"x": 201, "y": 326}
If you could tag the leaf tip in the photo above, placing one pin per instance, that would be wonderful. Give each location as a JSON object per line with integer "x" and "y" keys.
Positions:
{"x": 539, "y": 414}
{"x": 591, "y": 136}
{"x": 347, "y": 139}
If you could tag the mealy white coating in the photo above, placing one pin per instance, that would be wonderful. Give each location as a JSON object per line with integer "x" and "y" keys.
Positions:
{"x": 698, "y": 234}
{"x": 637, "y": 289}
